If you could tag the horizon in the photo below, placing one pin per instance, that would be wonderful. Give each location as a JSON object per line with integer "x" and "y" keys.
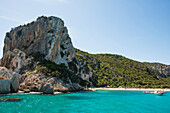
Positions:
{"x": 137, "y": 30}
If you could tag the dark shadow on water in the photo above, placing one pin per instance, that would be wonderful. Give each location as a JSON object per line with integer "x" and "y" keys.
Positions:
{"x": 78, "y": 97}
{"x": 10, "y": 99}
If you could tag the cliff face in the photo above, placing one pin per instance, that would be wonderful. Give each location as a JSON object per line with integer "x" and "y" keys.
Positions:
{"x": 15, "y": 60}
{"x": 48, "y": 36}
{"x": 38, "y": 51}
{"x": 162, "y": 69}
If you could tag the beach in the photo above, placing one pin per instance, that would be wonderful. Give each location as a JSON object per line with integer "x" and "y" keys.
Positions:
{"x": 130, "y": 89}
{"x": 93, "y": 89}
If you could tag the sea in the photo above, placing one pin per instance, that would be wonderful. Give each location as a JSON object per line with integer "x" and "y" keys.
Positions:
{"x": 102, "y": 101}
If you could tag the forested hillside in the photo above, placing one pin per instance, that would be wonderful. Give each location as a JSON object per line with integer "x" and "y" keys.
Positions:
{"x": 115, "y": 70}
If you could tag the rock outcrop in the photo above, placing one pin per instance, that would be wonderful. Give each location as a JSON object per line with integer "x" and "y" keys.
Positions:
{"x": 48, "y": 36}
{"x": 4, "y": 86}
{"x": 47, "y": 89}
{"x": 10, "y": 81}
{"x": 6, "y": 73}
{"x": 14, "y": 83}
{"x": 15, "y": 60}
{"x": 25, "y": 47}
{"x": 33, "y": 81}
{"x": 162, "y": 69}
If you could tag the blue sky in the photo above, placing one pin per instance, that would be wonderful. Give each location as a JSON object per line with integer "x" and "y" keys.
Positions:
{"x": 136, "y": 29}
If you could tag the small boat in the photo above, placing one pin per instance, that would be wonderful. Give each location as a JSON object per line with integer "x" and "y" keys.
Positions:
{"x": 158, "y": 94}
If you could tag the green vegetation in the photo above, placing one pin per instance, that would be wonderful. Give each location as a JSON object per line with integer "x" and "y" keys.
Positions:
{"x": 60, "y": 71}
{"x": 37, "y": 56}
{"x": 115, "y": 70}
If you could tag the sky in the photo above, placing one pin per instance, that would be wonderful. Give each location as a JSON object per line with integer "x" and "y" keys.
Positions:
{"x": 136, "y": 29}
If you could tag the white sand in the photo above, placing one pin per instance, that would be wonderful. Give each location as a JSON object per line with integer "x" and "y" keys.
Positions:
{"x": 132, "y": 89}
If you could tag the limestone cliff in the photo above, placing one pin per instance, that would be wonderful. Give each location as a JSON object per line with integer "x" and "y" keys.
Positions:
{"x": 162, "y": 69}
{"x": 15, "y": 60}
{"x": 30, "y": 49}
{"x": 48, "y": 36}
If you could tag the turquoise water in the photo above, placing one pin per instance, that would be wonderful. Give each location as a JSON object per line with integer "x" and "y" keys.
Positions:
{"x": 90, "y": 102}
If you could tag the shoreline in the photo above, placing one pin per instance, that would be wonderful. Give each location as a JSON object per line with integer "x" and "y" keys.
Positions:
{"x": 34, "y": 93}
{"x": 131, "y": 89}
{"x": 90, "y": 89}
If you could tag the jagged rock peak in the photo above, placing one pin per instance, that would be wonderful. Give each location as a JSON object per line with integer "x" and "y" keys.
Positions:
{"x": 46, "y": 35}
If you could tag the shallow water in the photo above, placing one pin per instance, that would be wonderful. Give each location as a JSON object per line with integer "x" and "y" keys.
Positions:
{"x": 90, "y": 102}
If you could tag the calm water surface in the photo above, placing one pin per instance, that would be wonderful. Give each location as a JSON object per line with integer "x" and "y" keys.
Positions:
{"x": 90, "y": 102}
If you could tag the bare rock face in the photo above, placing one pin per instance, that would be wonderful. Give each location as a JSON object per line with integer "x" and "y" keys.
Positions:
{"x": 4, "y": 86}
{"x": 33, "y": 81}
{"x": 15, "y": 60}
{"x": 85, "y": 72}
{"x": 4, "y": 72}
{"x": 12, "y": 77}
{"x": 47, "y": 89}
{"x": 162, "y": 69}
{"x": 48, "y": 36}
{"x": 14, "y": 83}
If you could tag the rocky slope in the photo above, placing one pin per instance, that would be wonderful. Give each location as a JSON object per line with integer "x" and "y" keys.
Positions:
{"x": 44, "y": 40}
{"x": 162, "y": 69}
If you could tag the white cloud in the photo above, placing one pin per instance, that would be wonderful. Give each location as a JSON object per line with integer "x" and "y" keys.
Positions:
{"x": 11, "y": 19}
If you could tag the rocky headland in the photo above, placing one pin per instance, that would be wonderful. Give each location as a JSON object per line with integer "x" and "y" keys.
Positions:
{"x": 40, "y": 57}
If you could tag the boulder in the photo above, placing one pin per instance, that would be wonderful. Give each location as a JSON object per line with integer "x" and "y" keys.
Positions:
{"x": 4, "y": 86}
{"x": 14, "y": 83}
{"x": 12, "y": 77}
{"x": 47, "y": 89}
